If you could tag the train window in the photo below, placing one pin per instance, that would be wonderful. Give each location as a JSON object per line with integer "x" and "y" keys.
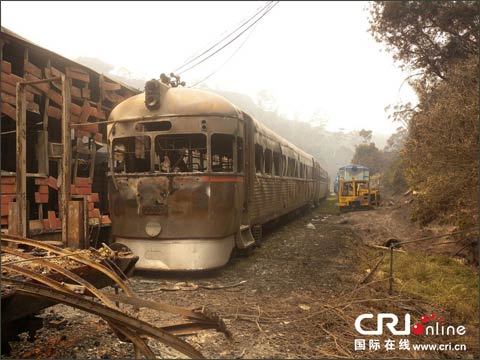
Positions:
{"x": 291, "y": 167}
{"x": 222, "y": 152}
{"x": 258, "y": 158}
{"x": 268, "y": 161}
{"x": 302, "y": 171}
{"x": 277, "y": 164}
{"x": 131, "y": 154}
{"x": 239, "y": 155}
{"x": 181, "y": 153}
{"x": 153, "y": 126}
{"x": 284, "y": 165}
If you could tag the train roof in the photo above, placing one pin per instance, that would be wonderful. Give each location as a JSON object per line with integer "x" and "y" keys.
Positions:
{"x": 358, "y": 167}
{"x": 286, "y": 146}
{"x": 177, "y": 101}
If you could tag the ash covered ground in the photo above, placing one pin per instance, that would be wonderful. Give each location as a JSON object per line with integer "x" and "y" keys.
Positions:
{"x": 296, "y": 296}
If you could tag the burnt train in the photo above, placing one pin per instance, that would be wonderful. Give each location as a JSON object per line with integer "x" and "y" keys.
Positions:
{"x": 192, "y": 177}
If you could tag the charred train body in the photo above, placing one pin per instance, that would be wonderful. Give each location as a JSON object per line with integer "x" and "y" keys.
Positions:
{"x": 191, "y": 176}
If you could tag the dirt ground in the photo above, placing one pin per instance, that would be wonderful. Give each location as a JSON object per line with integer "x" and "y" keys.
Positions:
{"x": 297, "y": 296}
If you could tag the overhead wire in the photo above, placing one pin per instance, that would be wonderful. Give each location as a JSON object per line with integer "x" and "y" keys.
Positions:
{"x": 195, "y": 57}
{"x": 232, "y": 40}
{"x": 226, "y": 61}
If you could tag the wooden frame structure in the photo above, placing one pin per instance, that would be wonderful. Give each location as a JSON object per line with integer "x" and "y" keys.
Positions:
{"x": 49, "y": 181}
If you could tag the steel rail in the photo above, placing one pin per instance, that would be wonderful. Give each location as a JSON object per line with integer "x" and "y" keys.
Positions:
{"x": 113, "y": 315}
{"x": 80, "y": 259}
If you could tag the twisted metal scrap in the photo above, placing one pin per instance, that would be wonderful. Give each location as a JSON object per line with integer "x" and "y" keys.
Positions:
{"x": 120, "y": 319}
{"x": 123, "y": 324}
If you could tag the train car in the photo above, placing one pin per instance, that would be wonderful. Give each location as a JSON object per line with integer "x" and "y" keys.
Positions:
{"x": 192, "y": 177}
{"x": 354, "y": 190}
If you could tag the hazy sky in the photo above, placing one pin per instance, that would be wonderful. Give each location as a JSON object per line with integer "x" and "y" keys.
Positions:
{"x": 310, "y": 56}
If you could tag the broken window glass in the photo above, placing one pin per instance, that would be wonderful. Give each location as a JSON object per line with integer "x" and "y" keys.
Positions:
{"x": 181, "y": 153}
{"x": 222, "y": 152}
{"x": 291, "y": 167}
{"x": 268, "y": 161}
{"x": 258, "y": 158}
{"x": 277, "y": 164}
{"x": 131, "y": 154}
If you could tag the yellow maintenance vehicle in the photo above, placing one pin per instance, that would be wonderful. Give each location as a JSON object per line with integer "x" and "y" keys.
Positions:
{"x": 352, "y": 185}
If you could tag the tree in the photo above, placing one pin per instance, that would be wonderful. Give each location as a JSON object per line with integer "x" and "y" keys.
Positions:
{"x": 366, "y": 135}
{"x": 370, "y": 156}
{"x": 441, "y": 150}
{"x": 396, "y": 141}
{"x": 427, "y": 35}
{"x": 438, "y": 40}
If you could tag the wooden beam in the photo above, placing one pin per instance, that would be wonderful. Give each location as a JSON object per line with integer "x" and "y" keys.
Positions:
{"x": 110, "y": 86}
{"x": 76, "y": 234}
{"x": 86, "y": 110}
{"x": 6, "y": 67}
{"x": 32, "y": 69}
{"x": 8, "y": 110}
{"x": 113, "y": 97}
{"x": 76, "y": 92}
{"x": 53, "y": 111}
{"x": 44, "y": 152}
{"x": 10, "y": 78}
{"x": 45, "y": 87}
{"x": 101, "y": 80}
{"x": 21, "y": 161}
{"x": 12, "y": 90}
{"x": 31, "y": 106}
{"x": 78, "y": 74}
{"x": 12, "y": 219}
{"x": 55, "y": 97}
{"x": 66, "y": 157}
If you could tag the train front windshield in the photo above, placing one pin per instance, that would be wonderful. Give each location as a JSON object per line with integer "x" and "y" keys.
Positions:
{"x": 177, "y": 153}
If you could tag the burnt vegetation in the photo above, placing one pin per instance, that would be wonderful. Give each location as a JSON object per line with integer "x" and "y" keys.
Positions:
{"x": 438, "y": 42}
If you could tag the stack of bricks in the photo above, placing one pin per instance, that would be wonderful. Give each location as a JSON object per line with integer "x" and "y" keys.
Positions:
{"x": 8, "y": 85}
{"x": 52, "y": 222}
{"x": 41, "y": 197}
{"x": 83, "y": 188}
{"x": 9, "y": 189}
{"x": 93, "y": 96}
{"x": 81, "y": 110}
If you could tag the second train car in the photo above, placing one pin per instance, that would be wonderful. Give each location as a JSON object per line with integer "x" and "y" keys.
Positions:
{"x": 192, "y": 177}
